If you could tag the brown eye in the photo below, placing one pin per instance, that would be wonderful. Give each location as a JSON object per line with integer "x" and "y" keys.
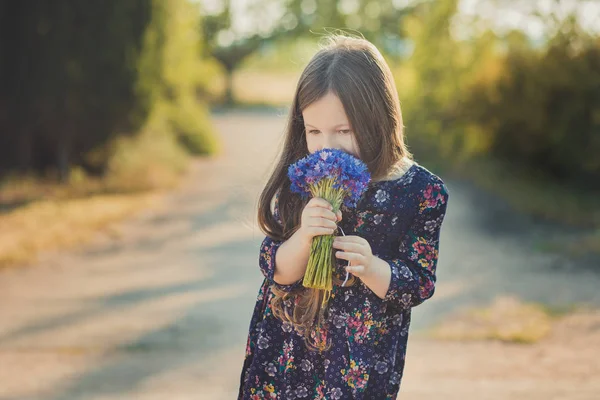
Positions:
{"x": 345, "y": 131}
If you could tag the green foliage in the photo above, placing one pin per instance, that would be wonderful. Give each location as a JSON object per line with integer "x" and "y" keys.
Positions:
{"x": 78, "y": 77}
{"x": 501, "y": 97}
{"x": 193, "y": 130}
{"x": 148, "y": 160}
{"x": 378, "y": 21}
{"x": 541, "y": 109}
{"x": 284, "y": 55}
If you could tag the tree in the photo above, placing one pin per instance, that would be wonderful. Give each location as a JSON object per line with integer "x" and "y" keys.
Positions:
{"x": 269, "y": 20}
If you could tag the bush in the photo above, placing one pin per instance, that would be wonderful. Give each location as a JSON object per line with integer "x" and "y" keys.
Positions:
{"x": 192, "y": 128}
{"x": 151, "y": 159}
{"x": 541, "y": 109}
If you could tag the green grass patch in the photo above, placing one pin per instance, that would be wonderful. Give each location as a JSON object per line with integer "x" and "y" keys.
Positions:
{"x": 507, "y": 319}
{"x": 530, "y": 193}
{"x": 38, "y": 214}
{"x": 534, "y": 193}
{"x": 62, "y": 223}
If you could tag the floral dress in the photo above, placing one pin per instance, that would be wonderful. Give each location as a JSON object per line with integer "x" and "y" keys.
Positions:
{"x": 401, "y": 219}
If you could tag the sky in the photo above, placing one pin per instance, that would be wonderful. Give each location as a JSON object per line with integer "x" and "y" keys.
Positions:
{"x": 517, "y": 14}
{"x": 502, "y": 15}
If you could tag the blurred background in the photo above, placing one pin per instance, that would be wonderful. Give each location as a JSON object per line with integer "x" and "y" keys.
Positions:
{"x": 136, "y": 135}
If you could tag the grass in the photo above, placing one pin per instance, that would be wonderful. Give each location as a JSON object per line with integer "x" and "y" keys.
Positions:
{"x": 62, "y": 223}
{"x": 533, "y": 194}
{"x": 38, "y": 214}
{"x": 507, "y": 319}
{"x": 536, "y": 195}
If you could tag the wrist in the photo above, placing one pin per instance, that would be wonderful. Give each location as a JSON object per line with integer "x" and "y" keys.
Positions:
{"x": 302, "y": 238}
{"x": 378, "y": 277}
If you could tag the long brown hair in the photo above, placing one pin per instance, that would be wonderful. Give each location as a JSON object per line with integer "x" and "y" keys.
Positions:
{"x": 354, "y": 70}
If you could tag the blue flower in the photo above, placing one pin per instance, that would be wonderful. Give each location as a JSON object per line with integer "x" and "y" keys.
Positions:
{"x": 347, "y": 173}
{"x": 337, "y": 177}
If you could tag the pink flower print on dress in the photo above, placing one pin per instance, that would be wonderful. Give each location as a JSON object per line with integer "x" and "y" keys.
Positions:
{"x": 356, "y": 376}
{"x": 424, "y": 253}
{"x": 432, "y": 195}
{"x": 286, "y": 359}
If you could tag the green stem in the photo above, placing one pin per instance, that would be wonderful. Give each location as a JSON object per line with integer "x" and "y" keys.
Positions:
{"x": 320, "y": 264}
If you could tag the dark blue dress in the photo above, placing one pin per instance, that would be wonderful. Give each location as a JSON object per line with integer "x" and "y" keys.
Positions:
{"x": 401, "y": 220}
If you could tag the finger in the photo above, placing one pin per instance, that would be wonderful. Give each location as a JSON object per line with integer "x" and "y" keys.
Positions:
{"x": 339, "y": 215}
{"x": 319, "y": 231}
{"x": 322, "y": 212}
{"x": 352, "y": 239}
{"x": 348, "y": 246}
{"x": 319, "y": 202}
{"x": 356, "y": 270}
{"x": 357, "y": 258}
{"x": 323, "y": 222}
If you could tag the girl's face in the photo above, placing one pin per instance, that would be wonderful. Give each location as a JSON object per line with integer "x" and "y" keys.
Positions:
{"x": 327, "y": 126}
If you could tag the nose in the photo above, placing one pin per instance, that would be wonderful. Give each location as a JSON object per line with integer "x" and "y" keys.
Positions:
{"x": 329, "y": 141}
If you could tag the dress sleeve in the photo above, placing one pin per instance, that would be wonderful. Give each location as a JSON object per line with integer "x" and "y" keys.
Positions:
{"x": 414, "y": 271}
{"x": 266, "y": 259}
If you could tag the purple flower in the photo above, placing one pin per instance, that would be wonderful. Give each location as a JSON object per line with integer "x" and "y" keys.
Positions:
{"x": 381, "y": 367}
{"x": 336, "y": 393}
{"x": 339, "y": 320}
{"x": 397, "y": 319}
{"x": 348, "y": 174}
{"x": 306, "y": 365}
{"x": 263, "y": 342}
{"x": 271, "y": 369}
{"x": 301, "y": 391}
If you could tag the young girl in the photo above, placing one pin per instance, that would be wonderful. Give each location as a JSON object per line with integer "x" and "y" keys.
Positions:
{"x": 355, "y": 348}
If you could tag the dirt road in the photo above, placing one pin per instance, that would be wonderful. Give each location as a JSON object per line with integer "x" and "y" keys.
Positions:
{"x": 162, "y": 310}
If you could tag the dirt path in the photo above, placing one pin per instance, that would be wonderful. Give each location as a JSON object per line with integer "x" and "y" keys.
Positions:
{"x": 163, "y": 311}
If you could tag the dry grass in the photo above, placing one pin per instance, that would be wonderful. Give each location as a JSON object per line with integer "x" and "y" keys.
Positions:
{"x": 507, "y": 319}
{"x": 40, "y": 215}
{"x": 61, "y": 223}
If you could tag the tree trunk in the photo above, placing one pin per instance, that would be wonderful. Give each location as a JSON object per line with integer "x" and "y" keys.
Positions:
{"x": 24, "y": 155}
{"x": 62, "y": 156}
{"x": 229, "y": 98}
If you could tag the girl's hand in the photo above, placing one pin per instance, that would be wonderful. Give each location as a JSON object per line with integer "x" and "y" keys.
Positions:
{"x": 318, "y": 219}
{"x": 356, "y": 250}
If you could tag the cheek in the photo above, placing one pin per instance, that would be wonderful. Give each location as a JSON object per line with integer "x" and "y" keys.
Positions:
{"x": 311, "y": 144}
{"x": 352, "y": 146}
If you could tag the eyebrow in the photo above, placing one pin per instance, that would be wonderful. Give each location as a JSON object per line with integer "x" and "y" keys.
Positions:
{"x": 337, "y": 126}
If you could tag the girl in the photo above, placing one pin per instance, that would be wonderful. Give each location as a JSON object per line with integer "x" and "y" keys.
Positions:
{"x": 355, "y": 348}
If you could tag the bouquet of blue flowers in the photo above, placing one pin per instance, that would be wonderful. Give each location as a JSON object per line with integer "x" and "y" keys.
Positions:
{"x": 339, "y": 178}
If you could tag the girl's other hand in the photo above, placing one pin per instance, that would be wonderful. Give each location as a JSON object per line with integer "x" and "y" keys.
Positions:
{"x": 318, "y": 219}
{"x": 358, "y": 251}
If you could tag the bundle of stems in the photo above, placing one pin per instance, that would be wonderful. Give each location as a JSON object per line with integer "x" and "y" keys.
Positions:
{"x": 319, "y": 270}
